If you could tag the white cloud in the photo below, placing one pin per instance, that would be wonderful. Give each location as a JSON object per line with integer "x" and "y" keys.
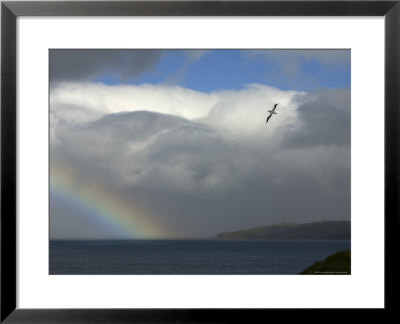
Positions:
{"x": 101, "y": 99}
{"x": 239, "y": 113}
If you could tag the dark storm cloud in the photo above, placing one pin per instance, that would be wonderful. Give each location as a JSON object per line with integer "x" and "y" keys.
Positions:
{"x": 325, "y": 118}
{"x": 81, "y": 64}
{"x": 112, "y": 147}
{"x": 252, "y": 199}
{"x": 147, "y": 146}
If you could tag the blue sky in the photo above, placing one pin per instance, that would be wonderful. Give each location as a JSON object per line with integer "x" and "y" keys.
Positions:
{"x": 214, "y": 70}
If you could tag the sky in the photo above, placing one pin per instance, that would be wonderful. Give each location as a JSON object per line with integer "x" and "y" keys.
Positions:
{"x": 164, "y": 144}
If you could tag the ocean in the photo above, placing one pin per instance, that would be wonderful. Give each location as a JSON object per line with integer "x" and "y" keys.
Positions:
{"x": 180, "y": 257}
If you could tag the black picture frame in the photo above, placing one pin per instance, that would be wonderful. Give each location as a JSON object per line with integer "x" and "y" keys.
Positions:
{"x": 10, "y": 10}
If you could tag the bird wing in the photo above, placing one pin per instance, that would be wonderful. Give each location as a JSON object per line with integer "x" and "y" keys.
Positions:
{"x": 268, "y": 118}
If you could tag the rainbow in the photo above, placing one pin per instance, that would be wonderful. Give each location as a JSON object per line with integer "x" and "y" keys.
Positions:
{"x": 108, "y": 207}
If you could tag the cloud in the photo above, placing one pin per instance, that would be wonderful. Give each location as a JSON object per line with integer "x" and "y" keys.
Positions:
{"x": 303, "y": 68}
{"x": 325, "y": 119}
{"x": 88, "y": 64}
{"x": 99, "y": 99}
{"x": 208, "y": 162}
{"x": 323, "y": 56}
{"x": 196, "y": 54}
{"x": 292, "y": 60}
{"x": 85, "y": 65}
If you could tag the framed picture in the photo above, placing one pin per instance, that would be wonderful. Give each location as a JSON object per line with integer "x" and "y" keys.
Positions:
{"x": 168, "y": 148}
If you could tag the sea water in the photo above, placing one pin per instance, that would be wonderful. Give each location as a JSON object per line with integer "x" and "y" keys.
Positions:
{"x": 135, "y": 257}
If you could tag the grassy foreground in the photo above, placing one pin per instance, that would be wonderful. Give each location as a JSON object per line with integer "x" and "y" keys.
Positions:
{"x": 337, "y": 263}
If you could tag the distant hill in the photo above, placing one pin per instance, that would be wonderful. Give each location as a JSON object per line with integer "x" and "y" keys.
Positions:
{"x": 329, "y": 230}
{"x": 337, "y": 263}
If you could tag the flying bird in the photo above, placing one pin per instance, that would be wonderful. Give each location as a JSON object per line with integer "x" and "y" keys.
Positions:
{"x": 271, "y": 112}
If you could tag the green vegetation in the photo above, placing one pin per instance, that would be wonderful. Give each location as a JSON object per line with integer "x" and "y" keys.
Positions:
{"x": 337, "y": 263}
{"x": 328, "y": 230}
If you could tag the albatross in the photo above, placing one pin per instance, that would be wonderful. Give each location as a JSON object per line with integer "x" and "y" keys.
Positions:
{"x": 271, "y": 112}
